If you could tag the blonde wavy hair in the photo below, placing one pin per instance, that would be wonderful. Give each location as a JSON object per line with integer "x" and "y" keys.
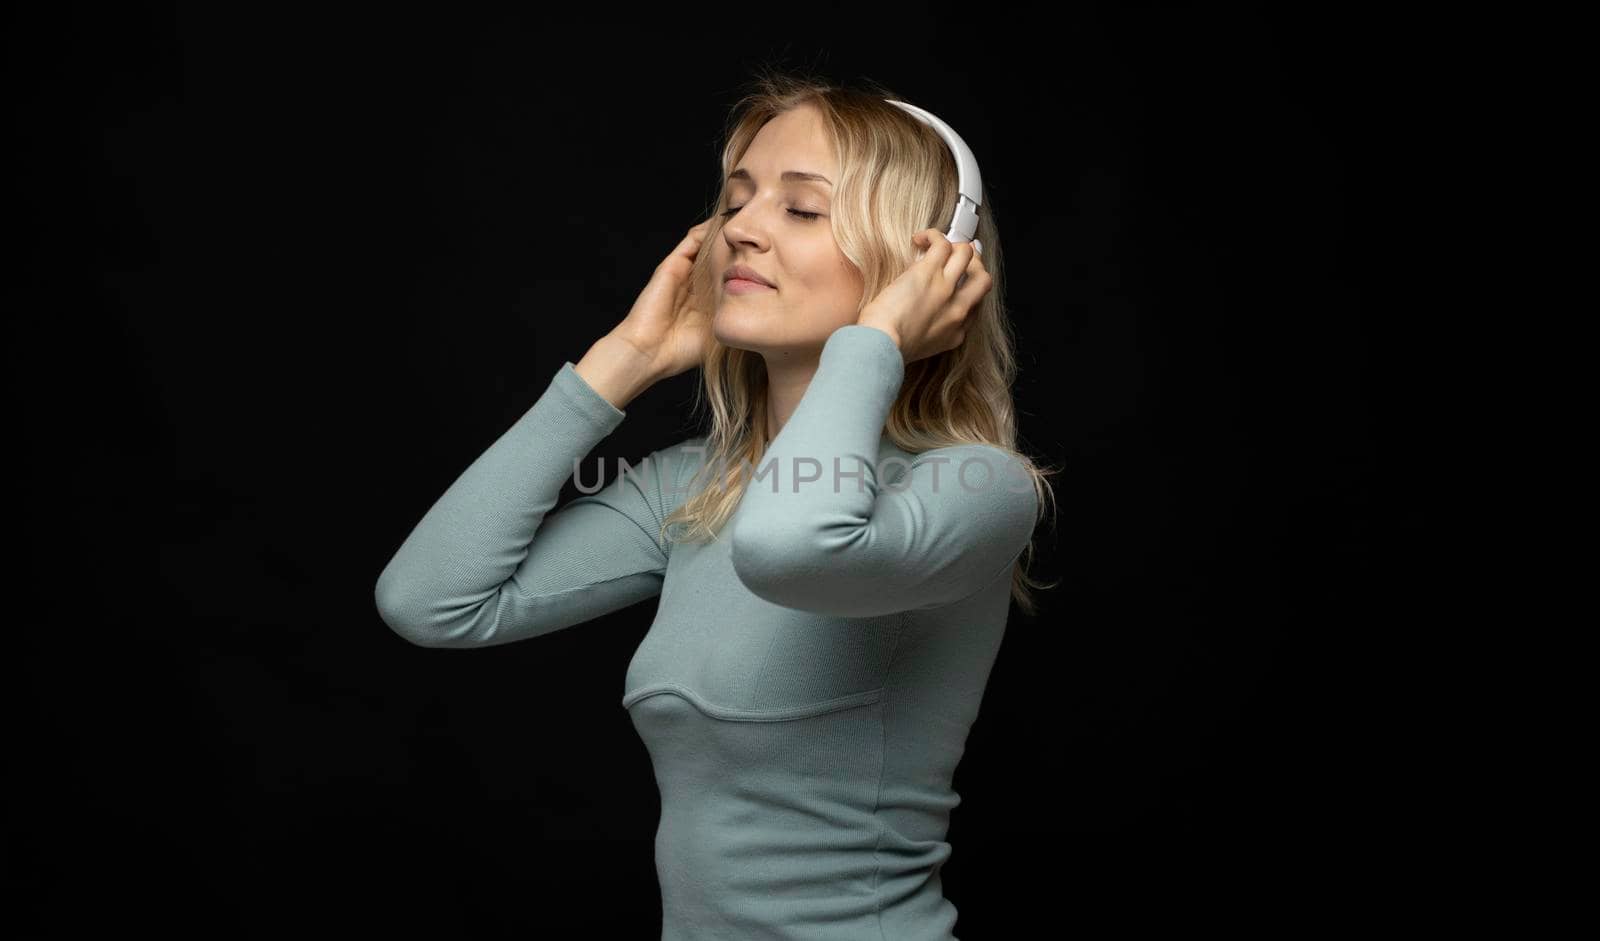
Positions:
{"x": 897, "y": 176}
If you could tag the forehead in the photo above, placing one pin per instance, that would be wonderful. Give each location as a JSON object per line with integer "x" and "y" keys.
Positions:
{"x": 794, "y": 140}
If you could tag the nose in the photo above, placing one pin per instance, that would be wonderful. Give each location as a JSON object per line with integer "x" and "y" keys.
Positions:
{"x": 737, "y": 233}
{"x": 745, "y": 228}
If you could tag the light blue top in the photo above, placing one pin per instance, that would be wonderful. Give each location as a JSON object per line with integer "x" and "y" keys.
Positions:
{"x": 807, "y": 686}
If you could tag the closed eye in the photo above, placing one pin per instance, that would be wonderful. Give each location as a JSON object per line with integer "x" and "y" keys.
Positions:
{"x": 808, "y": 216}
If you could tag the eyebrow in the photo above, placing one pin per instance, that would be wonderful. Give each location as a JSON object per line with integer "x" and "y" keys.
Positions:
{"x": 788, "y": 176}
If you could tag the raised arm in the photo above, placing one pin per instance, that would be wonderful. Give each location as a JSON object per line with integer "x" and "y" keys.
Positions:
{"x": 485, "y": 566}
{"x": 859, "y": 540}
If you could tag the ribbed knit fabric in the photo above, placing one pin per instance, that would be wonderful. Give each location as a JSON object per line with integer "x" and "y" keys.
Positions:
{"x": 807, "y": 686}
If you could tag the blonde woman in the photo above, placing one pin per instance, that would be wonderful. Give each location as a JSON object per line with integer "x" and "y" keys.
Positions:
{"x": 835, "y": 558}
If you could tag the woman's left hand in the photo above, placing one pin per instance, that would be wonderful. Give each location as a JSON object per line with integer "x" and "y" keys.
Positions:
{"x": 925, "y": 309}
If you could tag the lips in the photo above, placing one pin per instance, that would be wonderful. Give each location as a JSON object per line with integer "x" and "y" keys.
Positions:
{"x": 745, "y": 273}
{"x": 741, "y": 286}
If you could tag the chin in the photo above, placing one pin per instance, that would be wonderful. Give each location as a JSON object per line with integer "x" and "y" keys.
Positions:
{"x": 740, "y": 329}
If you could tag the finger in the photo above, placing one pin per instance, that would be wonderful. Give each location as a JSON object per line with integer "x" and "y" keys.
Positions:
{"x": 697, "y": 233}
{"x": 972, "y": 287}
{"x": 960, "y": 259}
{"x": 973, "y": 269}
{"x": 689, "y": 246}
{"x": 934, "y": 243}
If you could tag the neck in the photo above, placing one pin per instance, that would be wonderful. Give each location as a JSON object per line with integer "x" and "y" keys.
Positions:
{"x": 788, "y": 377}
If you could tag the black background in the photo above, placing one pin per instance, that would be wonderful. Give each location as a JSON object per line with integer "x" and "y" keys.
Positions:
{"x": 289, "y": 273}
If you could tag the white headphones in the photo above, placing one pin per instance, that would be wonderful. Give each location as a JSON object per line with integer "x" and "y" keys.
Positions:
{"x": 969, "y": 182}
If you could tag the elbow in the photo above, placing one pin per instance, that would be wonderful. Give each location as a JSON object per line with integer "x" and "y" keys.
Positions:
{"x": 804, "y": 570}
{"x": 400, "y": 615}
{"x": 783, "y": 569}
{"x": 752, "y": 562}
{"x": 768, "y": 563}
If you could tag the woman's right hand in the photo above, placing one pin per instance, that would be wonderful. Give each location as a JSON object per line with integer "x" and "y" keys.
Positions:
{"x": 670, "y": 325}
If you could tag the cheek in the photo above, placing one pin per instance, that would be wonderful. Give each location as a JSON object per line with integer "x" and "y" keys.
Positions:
{"x": 847, "y": 277}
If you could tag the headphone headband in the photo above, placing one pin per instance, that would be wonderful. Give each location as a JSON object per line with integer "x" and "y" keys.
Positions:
{"x": 969, "y": 182}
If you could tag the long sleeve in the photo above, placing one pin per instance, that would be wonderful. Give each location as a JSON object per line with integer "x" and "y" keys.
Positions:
{"x": 486, "y": 567}
{"x": 830, "y": 530}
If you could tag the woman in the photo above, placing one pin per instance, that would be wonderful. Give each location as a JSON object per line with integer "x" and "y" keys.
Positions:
{"x": 834, "y": 559}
